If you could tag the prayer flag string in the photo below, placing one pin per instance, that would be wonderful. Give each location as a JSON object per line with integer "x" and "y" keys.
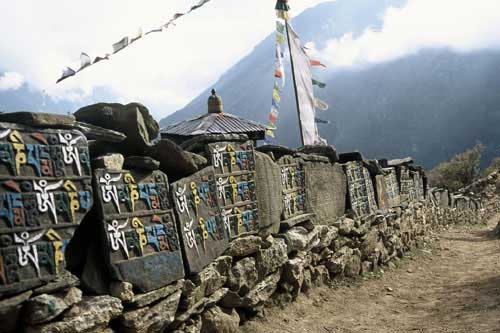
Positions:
{"x": 85, "y": 60}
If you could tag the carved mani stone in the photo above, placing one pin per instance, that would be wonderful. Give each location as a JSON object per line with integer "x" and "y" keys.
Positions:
{"x": 140, "y": 236}
{"x": 292, "y": 189}
{"x": 360, "y": 188}
{"x": 45, "y": 192}
{"x": 234, "y": 166}
{"x": 205, "y": 233}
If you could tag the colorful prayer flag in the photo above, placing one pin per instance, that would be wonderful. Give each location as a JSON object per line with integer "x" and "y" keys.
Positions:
{"x": 271, "y": 126}
{"x": 320, "y": 104}
{"x": 316, "y": 63}
{"x": 282, "y": 9}
{"x": 280, "y": 27}
{"x": 275, "y": 104}
{"x": 270, "y": 133}
{"x": 278, "y": 73}
{"x": 280, "y": 38}
{"x": 273, "y": 117}
{"x": 276, "y": 86}
{"x": 318, "y": 83}
{"x": 321, "y": 121}
{"x": 276, "y": 96}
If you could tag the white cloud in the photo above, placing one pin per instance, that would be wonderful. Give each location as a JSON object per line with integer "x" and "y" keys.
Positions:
{"x": 41, "y": 37}
{"x": 463, "y": 25}
{"x": 11, "y": 81}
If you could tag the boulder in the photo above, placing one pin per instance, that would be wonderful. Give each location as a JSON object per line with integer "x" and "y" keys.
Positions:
{"x": 220, "y": 320}
{"x": 38, "y": 119}
{"x": 293, "y": 276}
{"x": 300, "y": 239}
{"x": 10, "y": 310}
{"x": 108, "y": 161}
{"x": 100, "y": 134}
{"x": 174, "y": 161}
{"x": 199, "y": 306}
{"x": 141, "y": 162}
{"x": 244, "y": 246}
{"x": 92, "y": 313}
{"x": 122, "y": 290}
{"x": 270, "y": 259}
{"x": 243, "y": 276}
{"x": 327, "y": 151}
{"x": 44, "y": 307}
{"x": 63, "y": 281}
{"x": 141, "y": 300}
{"x": 205, "y": 283}
{"x": 257, "y": 296}
{"x": 134, "y": 120}
{"x": 151, "y": 319}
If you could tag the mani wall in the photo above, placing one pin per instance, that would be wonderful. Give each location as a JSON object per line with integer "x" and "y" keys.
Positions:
{"x": 104, "y": 227}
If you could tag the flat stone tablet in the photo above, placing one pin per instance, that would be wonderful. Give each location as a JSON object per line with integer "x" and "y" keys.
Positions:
{"x": 204, "y": 236}
{"x": 45, "y": 191}
{"x": 140, "y": 236}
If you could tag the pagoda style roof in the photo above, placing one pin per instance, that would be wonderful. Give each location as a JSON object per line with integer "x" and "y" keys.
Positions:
{"x": 216, "y": 123}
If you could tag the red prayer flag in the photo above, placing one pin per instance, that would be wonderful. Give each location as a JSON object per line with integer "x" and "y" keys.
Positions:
{"x": 278, "y": 73}
{"x": 316, "y": 63}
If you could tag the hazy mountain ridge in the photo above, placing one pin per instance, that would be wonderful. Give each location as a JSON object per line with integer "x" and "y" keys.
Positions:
{"x": 431, "y": 105}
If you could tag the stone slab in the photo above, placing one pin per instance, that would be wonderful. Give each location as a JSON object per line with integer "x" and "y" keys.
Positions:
{"x": 45, "y": 191}
{"x": 137, "y": 225}
{"x": 204, "y": 233}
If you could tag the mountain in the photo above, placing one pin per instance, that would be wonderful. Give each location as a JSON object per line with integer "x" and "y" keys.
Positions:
{"x": 430, "y": 105}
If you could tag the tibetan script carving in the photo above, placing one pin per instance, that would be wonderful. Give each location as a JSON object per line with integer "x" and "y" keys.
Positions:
{"x": 360, "y": 187}
{"x": 45, "y": 192}
{"x": 234, "y": 166}
{"x": 205, "y": 236}
{"x": 141, "y": 242}
{"x": 293, "y": 190}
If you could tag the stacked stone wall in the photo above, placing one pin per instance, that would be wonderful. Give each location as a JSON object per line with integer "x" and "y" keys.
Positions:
{"x": 197, "y": 239}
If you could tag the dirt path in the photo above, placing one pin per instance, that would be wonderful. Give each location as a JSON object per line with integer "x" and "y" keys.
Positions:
{"x": 453, "y": 287}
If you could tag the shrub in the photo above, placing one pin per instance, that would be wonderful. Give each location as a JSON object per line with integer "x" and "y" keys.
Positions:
{"x": 459, "y": 172}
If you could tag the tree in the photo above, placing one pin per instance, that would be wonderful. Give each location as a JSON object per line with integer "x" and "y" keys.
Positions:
{"x": 459, "y": 172}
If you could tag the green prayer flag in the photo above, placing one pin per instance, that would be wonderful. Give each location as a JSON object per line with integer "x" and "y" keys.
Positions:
{"x": 280, "y": 27}
{"x": 318, "y": 83}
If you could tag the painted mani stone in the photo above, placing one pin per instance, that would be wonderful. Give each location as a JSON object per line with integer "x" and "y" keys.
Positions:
{"x": 45, "y": 192}
{"x": 407, "y": 184}
{"x": 234, "y": 167}
{"x": 360, "y": 187}
{"x": 137, "y": 221}
{"x": 392, "y": 188}
{"x": 205, "y": 234}
{"x": 293, "y": 190}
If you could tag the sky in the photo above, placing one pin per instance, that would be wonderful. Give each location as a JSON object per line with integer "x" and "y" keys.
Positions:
{"x": 459, "y": 25}
{"x": 166, "y": 70}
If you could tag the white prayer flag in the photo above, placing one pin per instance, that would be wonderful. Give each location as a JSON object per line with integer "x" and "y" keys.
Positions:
{"x": 305, "y": 95}
{"x": 85, "y": 61}
{"x": 67, "y": 72}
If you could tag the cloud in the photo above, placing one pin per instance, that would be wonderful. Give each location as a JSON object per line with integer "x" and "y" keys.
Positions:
{"x": 168, "y": 68}
{"x": 11, "y": 81}
{"x": 463, "y": 26}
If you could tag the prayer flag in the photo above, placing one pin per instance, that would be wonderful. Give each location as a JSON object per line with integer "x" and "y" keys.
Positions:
{"x": 320, "y": 104}
{"x": 318, "y": 83}
{"x": 84, "y": 61}
{"x": 275, "y": 104}
{"x": 118, "y": 46}
{"x": 280, "y": 38}
{"x": 67, "y": 72}
{"x": 305, "y": 95}
{"x": 276, "y": 86}
{"x": 98, "y": 58}
{"x": 321, "y": 121}
{"x": 278, "y": 73}
{"x": 280, "y": 27}
{"x": 317, "y": 63}
{"x": 138, "y": 35}
{"x": 276, "y": 96}
{"x": 273, "y": 117}
{"x": 270, "y": 133}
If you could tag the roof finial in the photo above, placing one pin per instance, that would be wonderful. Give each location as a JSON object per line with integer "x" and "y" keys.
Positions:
{"x": 215, "y": 103}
